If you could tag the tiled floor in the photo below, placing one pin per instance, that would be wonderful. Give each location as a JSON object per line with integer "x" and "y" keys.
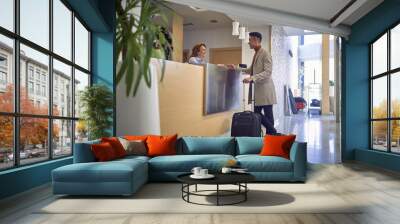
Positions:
{"x": 322, "y": 134}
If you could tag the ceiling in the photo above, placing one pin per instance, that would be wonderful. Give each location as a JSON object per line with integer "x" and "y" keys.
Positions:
{"x": 313, "y": 15}
{"x": 291, "y": 31}
{"x": 200, "y": 19}
{"x": 318, "y": 9}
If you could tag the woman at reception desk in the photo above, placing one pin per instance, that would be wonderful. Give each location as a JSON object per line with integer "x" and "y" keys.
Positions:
{"x": 198, "y": 54}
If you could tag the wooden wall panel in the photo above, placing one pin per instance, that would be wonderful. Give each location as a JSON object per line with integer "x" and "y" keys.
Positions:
{"x": 181, "y": 103}
{"x": 177, "y": 37}
{"x": 227, "y": 55}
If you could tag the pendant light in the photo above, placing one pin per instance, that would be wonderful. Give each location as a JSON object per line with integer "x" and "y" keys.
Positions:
{"x": 235, "y": 28}
{"x": 242, "y": 32}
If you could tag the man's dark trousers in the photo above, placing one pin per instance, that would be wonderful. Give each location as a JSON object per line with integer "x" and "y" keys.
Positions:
{"x": 267, "y": 118}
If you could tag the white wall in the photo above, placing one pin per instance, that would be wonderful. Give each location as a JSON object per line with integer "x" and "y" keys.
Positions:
{"x": 281, "y": 70}
{"x": 139, "y": 115}
{"x": 294, "y": 64}
{"x": 247, "y": 53}
{"x": 213, "y": 38}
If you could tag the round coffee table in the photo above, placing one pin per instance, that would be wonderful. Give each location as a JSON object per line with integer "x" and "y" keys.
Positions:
{"x": 238, "y": 179}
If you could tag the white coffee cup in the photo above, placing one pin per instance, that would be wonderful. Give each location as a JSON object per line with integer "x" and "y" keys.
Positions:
{"x": 226, "y": 170}
{"x": 196, "y": 171}
{"x": 203, "y": 172}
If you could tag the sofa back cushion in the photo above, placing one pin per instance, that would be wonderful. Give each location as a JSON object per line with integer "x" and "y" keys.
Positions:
{"x": 104, "y": 152}
{"x": 134, "y": 147}
{"x": 248, "y": 145}
{"x": 278, "y": 145}
{"x": 161, "y": 145}
{"x": 206, "y": 145}
{"x": 83, "y": 152}
{"x": 116, "y": 145}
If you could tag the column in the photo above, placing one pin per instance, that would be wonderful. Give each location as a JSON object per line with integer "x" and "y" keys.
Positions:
{"x": 177, "y": 37}
{"x": 325, "y": 74}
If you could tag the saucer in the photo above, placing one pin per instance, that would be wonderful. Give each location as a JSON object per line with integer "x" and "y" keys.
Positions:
{"x": 208, "y": 176}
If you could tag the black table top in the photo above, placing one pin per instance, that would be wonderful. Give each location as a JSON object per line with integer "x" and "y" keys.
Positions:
{"x": 220, "y": 178}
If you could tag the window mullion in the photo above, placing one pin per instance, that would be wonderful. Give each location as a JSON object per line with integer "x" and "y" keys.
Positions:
{"x": 389, "y": 101}
{"x": 371, "y": 142}
{"x": 50, "y": 81}
{"x": 16, "y": 70}
{"x": 73, "y": 81}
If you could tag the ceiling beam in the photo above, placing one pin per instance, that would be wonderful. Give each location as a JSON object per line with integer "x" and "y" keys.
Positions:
{"x": 346, "y": 12}
{"x": 267, "y": 16}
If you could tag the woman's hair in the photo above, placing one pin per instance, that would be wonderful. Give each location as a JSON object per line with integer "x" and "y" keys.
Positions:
{"x": 196, "y": 49}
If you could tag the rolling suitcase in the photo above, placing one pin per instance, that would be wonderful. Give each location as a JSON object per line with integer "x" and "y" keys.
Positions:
{"x": 246, "y": 123}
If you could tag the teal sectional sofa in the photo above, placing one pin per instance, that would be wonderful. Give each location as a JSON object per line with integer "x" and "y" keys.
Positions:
{"x": 125, "y": 176}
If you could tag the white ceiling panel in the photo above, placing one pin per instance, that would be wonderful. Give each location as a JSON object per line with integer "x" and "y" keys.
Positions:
{"x": 315, "y": 15}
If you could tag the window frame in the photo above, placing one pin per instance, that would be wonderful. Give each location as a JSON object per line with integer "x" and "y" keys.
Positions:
{"x": 16, "y": 114}
{"x": 388, "y": 74}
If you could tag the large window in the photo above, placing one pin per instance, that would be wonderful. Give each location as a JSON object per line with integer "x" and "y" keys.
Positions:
{"x": 44, "y": 64}
{"x": 385, "y": 94}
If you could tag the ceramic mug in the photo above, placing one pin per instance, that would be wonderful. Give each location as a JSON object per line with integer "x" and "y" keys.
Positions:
{"x": 203, "y": 172}
{"x": 226, "y": 170}
{"x": 196, "y": 171}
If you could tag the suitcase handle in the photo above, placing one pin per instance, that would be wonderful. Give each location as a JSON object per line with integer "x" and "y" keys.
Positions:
{"x": 244, "y": 96}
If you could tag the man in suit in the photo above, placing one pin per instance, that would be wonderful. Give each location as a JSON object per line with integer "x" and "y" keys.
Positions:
{"x": 261, "y": 76}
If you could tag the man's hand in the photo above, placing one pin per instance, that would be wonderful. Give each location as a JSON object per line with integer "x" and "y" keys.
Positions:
{"x": 247, "y": 80}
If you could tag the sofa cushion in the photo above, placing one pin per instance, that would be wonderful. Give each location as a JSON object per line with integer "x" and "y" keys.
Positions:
{"x": 134, "y": 147}
{"x": 116, "y": 145}
{"x": 161, "y": 145}
{"x": 112, "y": 171}
{"x": 248, "y": 145}
{"x": 133, "y": 158}
{"x": 257, "y": 163}
{"x": 83, "y": 152}
{"x": 103, "y": 152}
{"x": 277, "y": 145}
{"x": 207, "y": 145}
{"x": 185, "y": 163}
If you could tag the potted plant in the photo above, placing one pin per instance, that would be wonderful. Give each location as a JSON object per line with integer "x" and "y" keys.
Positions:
{"x": 96, "y": 102}
{"x": 139, "y": 38}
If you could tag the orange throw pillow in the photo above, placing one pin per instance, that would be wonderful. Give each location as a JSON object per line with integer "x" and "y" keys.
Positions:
{"x": 116, "y": 145}
{"x": 161, "y": 145}
{"x": 136, "y": 137}
{"x": 277, "y": 145}
{"x": 103, "y": 152}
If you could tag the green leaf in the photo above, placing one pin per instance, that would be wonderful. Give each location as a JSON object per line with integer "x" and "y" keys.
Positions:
{"x": 136, "y": 47}
{"x": 129, "y": 77}
{"x": 137, "y": 83}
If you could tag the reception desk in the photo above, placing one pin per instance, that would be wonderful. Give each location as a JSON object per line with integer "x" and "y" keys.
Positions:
{"x": 222, "y": 89}
{"x": 191, "y": 100}
{"x": 197, "y": 100}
